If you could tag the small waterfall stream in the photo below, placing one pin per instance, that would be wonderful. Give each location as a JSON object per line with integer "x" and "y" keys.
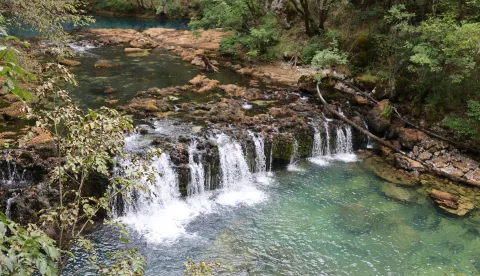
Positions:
{"x": 196, "y": 184}
{"x": 233, "y": 166}
{"x": 322, "y": 151}
{"x": 10, "y": 201}
{"x": 12, "y": 176}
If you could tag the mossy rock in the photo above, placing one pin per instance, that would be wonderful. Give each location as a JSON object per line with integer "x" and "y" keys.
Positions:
{"x": 283, "y": 147}
{"x": 367, "y": 81}
{"x": 304, "y": 137}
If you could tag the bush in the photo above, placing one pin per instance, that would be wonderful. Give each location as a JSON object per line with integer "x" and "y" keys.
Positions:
{"x": 329, "y": 58}
{"x": 311, "y": 49}
{"x": 469, "y": 126}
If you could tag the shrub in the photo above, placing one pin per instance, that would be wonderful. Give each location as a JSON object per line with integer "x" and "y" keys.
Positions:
{"x": 469, "y": 126}
{"x": 329, "y": 58}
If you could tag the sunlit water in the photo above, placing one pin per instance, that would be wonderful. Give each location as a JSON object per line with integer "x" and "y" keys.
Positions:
{"x": 316, "y": 220}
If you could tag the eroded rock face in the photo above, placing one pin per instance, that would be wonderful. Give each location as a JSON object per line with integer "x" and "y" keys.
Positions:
{"x": 409, "y": 137}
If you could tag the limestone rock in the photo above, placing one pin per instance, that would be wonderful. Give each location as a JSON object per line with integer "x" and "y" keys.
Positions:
{"x": 425, "y": 155}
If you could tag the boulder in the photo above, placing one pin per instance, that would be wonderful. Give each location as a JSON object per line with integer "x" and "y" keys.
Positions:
{"x": 14, "y": 111}
{"x": 451, "y": 203}
{"x": 143, "y": 43}
{"x": 377, "y": 123}
{"x": 104, "y": 64}
{"x": 233, "y": 90}
{"x": 42, "y": 143}
{"x": 281, "y": 112}
{"x": 197, "y": 61}
{"x": 205, "y": 84}
{"x": 393, "y": 191}
{"x": 407, "y": 163}
{"x": 109, "y": 90}
{"x": 409, "y": 137}
{"x": 68, "y": 62}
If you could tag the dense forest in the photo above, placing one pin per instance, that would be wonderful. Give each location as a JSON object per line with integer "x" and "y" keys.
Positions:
{"x": 421, "y": 56}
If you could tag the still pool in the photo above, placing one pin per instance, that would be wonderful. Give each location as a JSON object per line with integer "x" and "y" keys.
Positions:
{"x": 315, "y": 220}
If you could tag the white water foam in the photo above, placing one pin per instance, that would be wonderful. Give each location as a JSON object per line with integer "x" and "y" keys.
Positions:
{"x": 160, "y": 215}
{"x": 322, "y": 153}
{"x": 261, "y": 174}
{"x": 196, "y": 184}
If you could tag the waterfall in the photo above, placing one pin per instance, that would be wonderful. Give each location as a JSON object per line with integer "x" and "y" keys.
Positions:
{"x": 318, "y": 155}
{"x": 12, "y": 176}
{"x": 294, "y": 157}
{"x": 271, "y": 158}
{"x": 233, "y": 167}
{"x": 344, "y": 144}
{"x": 260, "y": 158}
{"x": 292, "y": 166}
{"x": 317, "y": 142}
{"x": 10, "y": 201}
{"x": 197, "y": 172}
{"x": 369, "y": 141}
{"x": 327, "y": 151}
{"x": 159, "y": 213}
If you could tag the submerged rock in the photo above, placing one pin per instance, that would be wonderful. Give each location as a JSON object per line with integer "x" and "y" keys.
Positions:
{"x": 104, "y": 64}
{"x": 450, "y": 203}
{"x": 393, "y": 191}
{"x": 68, "y": 62}
{"x": 356, "y": 219}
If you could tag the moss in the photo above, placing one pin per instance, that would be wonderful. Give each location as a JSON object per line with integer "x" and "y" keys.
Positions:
{"x": 304, "y": 137}
{"x": 282, "y": 147}
{"x": 368, "y": 81}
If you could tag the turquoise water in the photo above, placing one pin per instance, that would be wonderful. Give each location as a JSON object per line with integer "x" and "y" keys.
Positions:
{"x": 113, "y": 23}
{"x": 331, "y": 220}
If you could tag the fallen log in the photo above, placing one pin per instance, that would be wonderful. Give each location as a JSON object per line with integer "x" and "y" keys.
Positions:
{"x": 400, "y": 117}
{"x": 428, "y": 167}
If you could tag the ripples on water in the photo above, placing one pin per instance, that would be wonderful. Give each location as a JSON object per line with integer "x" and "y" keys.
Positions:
{"x": 329, "y": 220}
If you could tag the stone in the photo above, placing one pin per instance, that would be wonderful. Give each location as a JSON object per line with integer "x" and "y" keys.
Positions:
{"x": 197, "y": 61}
{"x": 233, "y": 90}
{"x": 104, "y": 64}
{"x": 377, "y": 123}
{"x": 109, "y": 90}
{"x": 425, "y": 155}
{"x": 14, "y": 111}
{"x": 393, "y": 191}
{"x": 410, "y": 137}
{"x": 133, "y": 50}
{"x": 68, "y": 62}
{"x": 112, "y": 101}
{"x": 236, "y": 67}
{"x": 246, "y": 71}
{"x": 408, "y": 163}
{"x": 360, "y": 100}
{"x": 356, "y": 219}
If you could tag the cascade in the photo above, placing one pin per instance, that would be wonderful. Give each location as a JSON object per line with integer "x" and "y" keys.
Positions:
{"x": 344, "y": 145}
{"x": 369, "y": 141}
{"x": 317, "y": 142}
{"x": 271, "y": 158}
{"x": 260, "y": 158}
{"x": 233, "y": 166}
{"x": 153, "y": 195}
{"x": 12, "y": 175}
{"x": 294, "y": 157}
{"x": 327, "y": 151}
{"x": 10, "y": 201}
{"x": 196, "y": 184}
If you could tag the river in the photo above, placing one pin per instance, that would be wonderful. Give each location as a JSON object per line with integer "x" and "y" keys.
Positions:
{"x": 324, "y": 216}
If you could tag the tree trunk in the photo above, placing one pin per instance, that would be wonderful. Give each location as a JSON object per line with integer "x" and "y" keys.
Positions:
{"x": 394, "y": 149}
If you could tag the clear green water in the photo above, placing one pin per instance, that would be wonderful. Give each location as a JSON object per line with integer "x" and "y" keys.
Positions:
{"x": 331, "y": 220}
{"x": 134, "y": 73}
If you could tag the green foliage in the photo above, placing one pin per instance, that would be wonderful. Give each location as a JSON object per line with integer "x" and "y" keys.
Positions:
{"x": 116, "y": 5}
{"x": 311, "y": 48}
{"x": 47, "y": 17}
{"x": 14, "y": 74}
{"x": 387, "y": 110}
{"x": 468, "y": 126}
{"x": 25, "y": 250}
{"x": 330, "y": 57}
